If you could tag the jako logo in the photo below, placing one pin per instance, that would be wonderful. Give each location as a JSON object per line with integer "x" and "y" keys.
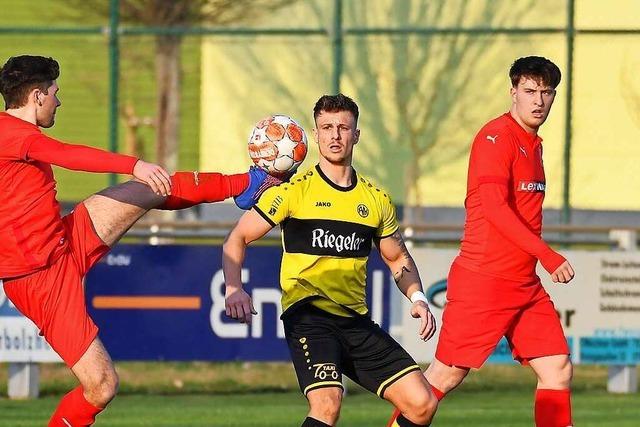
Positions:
{"x": 532, "y": 186}
{"x": 434, "y": 293}
{"x": 323, "y": 204}
{"x": 326, "y": 239}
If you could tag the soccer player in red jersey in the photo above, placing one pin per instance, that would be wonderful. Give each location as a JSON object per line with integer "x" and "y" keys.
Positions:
{"x": 44, "y": 257}
{"x": 492, "y": 288}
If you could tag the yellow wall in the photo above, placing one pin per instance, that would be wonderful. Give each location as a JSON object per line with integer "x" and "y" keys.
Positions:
{"x": 438, "y": 90}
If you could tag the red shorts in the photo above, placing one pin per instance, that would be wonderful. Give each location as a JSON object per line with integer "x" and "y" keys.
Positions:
{"x": 481, "y": 309}
{"x": 53, "y": 297}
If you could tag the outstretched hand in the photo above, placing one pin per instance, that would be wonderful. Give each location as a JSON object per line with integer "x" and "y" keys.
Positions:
{"x": 154, "y": 176}
{"x": 420, "y": 309}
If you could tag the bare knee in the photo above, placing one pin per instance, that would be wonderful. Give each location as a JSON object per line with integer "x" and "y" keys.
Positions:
{"x": 101, "y": 388}
{"x": 324, "y": 404}
{"x": 420, "y": 407}
{"x": 443, "y": 377}
{"x": 557, "y": 377}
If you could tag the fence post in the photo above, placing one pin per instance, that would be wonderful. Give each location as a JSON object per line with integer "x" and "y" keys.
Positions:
{"x": 24, "y": 380}
{"x": 623, "y": 378}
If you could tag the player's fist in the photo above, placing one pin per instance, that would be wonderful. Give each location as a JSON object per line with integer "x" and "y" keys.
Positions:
{"x": 420, "y": 310}
{"x": 563, "y": 274}
{"x": 238, "y": 304}
{"x": 154, "y": 176}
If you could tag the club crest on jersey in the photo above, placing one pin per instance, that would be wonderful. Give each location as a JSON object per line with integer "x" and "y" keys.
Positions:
{"x": 532, "y": 186}
{"x": 363, "y": 211}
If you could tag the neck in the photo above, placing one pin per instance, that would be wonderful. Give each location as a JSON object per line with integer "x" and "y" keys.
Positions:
{"x": 516, "y": 117}
{"x": 338, "y": 174}
{"x": 23, "y": 113}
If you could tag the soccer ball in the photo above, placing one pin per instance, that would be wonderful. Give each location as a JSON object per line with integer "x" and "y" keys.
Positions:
{"x": 278, "y": 145}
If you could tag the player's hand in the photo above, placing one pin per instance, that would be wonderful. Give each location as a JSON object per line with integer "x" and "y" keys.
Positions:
{"x": 238, "y": 304}
{"x": 563, "y": 274}
{"x": 154, "y": 176}
{"x": 427, "y": 322}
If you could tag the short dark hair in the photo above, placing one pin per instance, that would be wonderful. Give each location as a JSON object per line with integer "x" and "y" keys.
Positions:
{"x": 21, "y": 74}
{"x": 335, "y": 103}
{"x": 537, "y": 68}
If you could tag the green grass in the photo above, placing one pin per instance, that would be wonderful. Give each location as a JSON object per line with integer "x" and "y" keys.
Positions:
{"x": 478, "y": 409}
{"x": 261, "y": 394}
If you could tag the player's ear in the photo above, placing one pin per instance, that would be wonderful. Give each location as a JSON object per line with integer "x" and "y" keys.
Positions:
{"x": 315, "y": 134}
{"x": 512, "y": 92}
{"x": 357, "y": 136}
{"x": 37, "y": 96}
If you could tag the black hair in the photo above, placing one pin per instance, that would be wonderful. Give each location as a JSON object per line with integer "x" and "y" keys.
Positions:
{"x": 537, "y": 68}
{"x": 21, "y": 74}
{"x": 335, "y": 103}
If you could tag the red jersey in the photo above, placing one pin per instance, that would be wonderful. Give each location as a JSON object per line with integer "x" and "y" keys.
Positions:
{"x": 31, "y": 231}
{"x": 505, "y": 190}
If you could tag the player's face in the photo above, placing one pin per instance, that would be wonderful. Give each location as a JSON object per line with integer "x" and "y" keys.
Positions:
{"x": 336, "y": 134}
{"x": 46, "y": 105}
{"x": 532, "y": 102}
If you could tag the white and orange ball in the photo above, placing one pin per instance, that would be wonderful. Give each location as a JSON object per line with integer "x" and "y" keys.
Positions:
{"x": 278, "y": 145}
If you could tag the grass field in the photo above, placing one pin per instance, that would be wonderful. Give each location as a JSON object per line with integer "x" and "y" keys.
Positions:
{"x": 226, "y": 395}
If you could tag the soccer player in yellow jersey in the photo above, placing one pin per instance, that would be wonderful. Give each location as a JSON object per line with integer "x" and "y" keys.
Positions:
{"x": 330, "y": 216}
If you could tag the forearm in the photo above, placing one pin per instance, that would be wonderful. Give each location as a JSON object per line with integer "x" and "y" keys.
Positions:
{"x": 233, "y": 252}
{"x": 405, "y": 273}
{"x": 79, "y": 157}
{"x": 500, "y": 215}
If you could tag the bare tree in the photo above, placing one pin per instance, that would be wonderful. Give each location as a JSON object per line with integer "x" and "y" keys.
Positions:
{"x": 419, "y": 93}
{"x": 174, "y": 15}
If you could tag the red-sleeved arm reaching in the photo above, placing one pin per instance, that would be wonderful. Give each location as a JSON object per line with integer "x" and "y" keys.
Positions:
{"x": 493, "y": 197}
{"x": 77, "y": 157}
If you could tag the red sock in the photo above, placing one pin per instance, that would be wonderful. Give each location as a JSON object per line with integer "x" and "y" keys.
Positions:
{"x": 74, "y": 410}
{"x": 553, "y": 408}
{"x": 437, "y": 392}
{"x": 191, "y": 188}
{"x": 394, "y": 416}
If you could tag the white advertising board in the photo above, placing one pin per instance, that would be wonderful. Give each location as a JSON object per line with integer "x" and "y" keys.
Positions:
{"x": 599, "y": 309}
{"x": 19, "y": 337}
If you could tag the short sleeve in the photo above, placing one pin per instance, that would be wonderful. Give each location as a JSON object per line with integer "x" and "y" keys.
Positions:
{"x": 388, "y": 221}
{"x": 492, "y": 156}
{"x": 274, "y": 204}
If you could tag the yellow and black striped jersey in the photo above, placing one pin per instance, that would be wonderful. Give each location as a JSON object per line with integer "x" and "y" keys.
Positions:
{"x": 327, "y": 234}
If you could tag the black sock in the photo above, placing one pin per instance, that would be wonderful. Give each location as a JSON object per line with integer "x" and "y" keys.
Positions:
{"x": 312, "y": 422}
{"x": 403, "y": 422}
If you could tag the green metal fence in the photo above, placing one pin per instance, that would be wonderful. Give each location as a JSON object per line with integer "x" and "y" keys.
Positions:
{"x": 337, "y": 33}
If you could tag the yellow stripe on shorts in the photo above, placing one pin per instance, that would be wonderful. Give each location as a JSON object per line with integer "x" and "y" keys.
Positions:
{"x": 322, "y": 384}
{"x": 395, "y": 377}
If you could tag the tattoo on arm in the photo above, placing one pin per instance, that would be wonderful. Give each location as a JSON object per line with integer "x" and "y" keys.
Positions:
{"x": 407, "y": 267}
{"x": 398, "y": 238}
{"x": 400, "y": 274}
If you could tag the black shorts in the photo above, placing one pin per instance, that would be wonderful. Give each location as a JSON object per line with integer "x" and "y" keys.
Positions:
{"x": 324, "y": 346}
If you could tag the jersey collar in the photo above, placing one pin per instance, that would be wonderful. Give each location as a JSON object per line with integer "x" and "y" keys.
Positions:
{"x": 354, "y": 180}
{"x": 519, "y": 130}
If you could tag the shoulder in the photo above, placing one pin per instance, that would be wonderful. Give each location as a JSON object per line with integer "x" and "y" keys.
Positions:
{"x": 376, "y": 191}
{"x": 494, "y": 137}
{"x": 494, "y": 129}
{"x": 13, "y": 126}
